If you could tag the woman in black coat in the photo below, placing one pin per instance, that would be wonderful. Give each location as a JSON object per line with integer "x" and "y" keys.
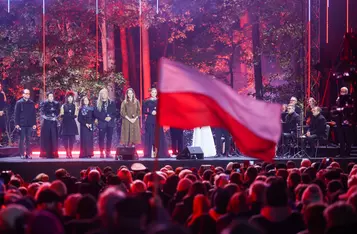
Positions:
{"x": 86, "y": 120}
{"x": 149, "y": 109}
{"x": 69, "y": 130}
{"x": 50, "y": 110}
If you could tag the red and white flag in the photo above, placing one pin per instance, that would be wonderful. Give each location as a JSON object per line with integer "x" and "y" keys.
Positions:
{"x": 190, "y": 99}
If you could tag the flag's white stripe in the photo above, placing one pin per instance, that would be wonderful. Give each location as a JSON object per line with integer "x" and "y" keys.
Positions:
{"x": 253, "y": 114}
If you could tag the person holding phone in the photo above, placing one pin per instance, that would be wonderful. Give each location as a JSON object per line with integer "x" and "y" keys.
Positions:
{"x": 25, "y": 122}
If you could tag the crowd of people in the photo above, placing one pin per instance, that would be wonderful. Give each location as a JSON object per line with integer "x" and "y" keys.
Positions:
{"x": 241, "y": 198}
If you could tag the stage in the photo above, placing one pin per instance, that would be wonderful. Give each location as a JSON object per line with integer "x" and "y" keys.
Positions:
{"x": 29, "y": 168}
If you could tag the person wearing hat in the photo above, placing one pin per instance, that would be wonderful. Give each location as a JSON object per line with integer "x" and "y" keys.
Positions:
{"x": 69, "y": 130}
{"x": 50, "y": 110}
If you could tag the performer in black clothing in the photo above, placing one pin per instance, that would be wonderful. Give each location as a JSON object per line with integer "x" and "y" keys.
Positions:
{"x": 219, "y": 132}
{"x": 105, "y": 112}
{"x": 86, "y": 120}
{"x": 177, "y": 140}
{"x": 2, "y": 112}
{"x": 343, "y": 116}
{"x": 317, "y": 128}
{"x": 311, "y": 104}
{"x": 292, "y": 119}
{"x": 25, "y": 121}
{"x": 294, "y": 101}
{"x": 69, "y": 130}
{"x": 149, "y": 109}
{"x": 50, "y": 110}
{"x": 284, "y": 112}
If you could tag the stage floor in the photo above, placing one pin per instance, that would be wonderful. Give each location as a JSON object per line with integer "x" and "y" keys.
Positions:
{"x": 29, "y": 168}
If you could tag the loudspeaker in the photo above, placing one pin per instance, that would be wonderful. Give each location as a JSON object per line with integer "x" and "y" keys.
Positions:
{"x": 126, "y": 153}
{"x": 191, "y": 152}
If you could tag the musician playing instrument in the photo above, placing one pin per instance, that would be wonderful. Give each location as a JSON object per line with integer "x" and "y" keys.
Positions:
{"x": 317, "y": 128}
{"x": 311, "y": 104}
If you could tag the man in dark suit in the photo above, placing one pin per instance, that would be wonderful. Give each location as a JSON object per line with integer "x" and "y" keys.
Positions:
{"x": 25, "y": 122}
{"x": 292, "y": 119}
{"x": 317, "y": 129}
{"x": 105, "y": 113}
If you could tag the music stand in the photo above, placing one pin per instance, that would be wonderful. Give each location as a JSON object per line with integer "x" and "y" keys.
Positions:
{"x": 302, "y": 153}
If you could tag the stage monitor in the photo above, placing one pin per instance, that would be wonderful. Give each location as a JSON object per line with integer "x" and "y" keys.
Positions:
{"x": 191, "y": 152}
{"x": 126, "y": 153}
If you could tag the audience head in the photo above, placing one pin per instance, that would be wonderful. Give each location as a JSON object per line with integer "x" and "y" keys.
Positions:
{"x": 71, "y": 204}
{"x": 106, "y": 204}
{"x": 314, "y": 218}
{"x": 86, "y": 207}
{"x": 276, "y": 194}
{"x": 340, "y": 214}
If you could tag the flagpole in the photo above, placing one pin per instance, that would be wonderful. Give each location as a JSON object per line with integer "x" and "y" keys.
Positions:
{"x": 44, "y": 47}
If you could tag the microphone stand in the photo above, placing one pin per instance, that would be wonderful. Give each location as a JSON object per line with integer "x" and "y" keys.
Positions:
{"x": 302, "y": 153}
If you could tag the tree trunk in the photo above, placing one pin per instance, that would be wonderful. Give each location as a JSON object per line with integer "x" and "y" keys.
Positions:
{"x": 133, "y": 65}
{"x": 146, "y": 61}
{"x": 124, "y": 55}
{"x": 258, "y": 77}
{"x": 231, "y": 66}
{"x": 104, "y": 37}
{"x": 111, "y": 57}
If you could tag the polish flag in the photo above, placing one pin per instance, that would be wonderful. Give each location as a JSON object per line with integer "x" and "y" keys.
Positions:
{"x": 190, "y": 99}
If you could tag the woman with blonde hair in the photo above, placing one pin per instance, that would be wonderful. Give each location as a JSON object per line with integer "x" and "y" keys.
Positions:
{"x": 130, "y": 111}
{"x": 105, "y": 112}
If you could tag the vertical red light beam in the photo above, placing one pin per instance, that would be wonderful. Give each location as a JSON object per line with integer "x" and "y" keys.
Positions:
{"x": 141, "y": 59}
{"x": 327, "y": 19}
{"x": 309, "y": 50}
{"x": 44, "y": 47}
{"x": 347, "y": 16}
{"x": 96, "y": 39}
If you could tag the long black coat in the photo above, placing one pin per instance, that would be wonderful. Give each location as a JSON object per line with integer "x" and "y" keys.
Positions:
{"x": 86, "y": 116}
{"x": 25, "y": 113}
{"x": 49, "y": 129}
{"x": 149, "y": 106}
{"x": 69, "y": 125}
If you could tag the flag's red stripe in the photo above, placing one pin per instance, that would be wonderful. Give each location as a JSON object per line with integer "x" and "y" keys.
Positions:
{"x": 190, "y": 110}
